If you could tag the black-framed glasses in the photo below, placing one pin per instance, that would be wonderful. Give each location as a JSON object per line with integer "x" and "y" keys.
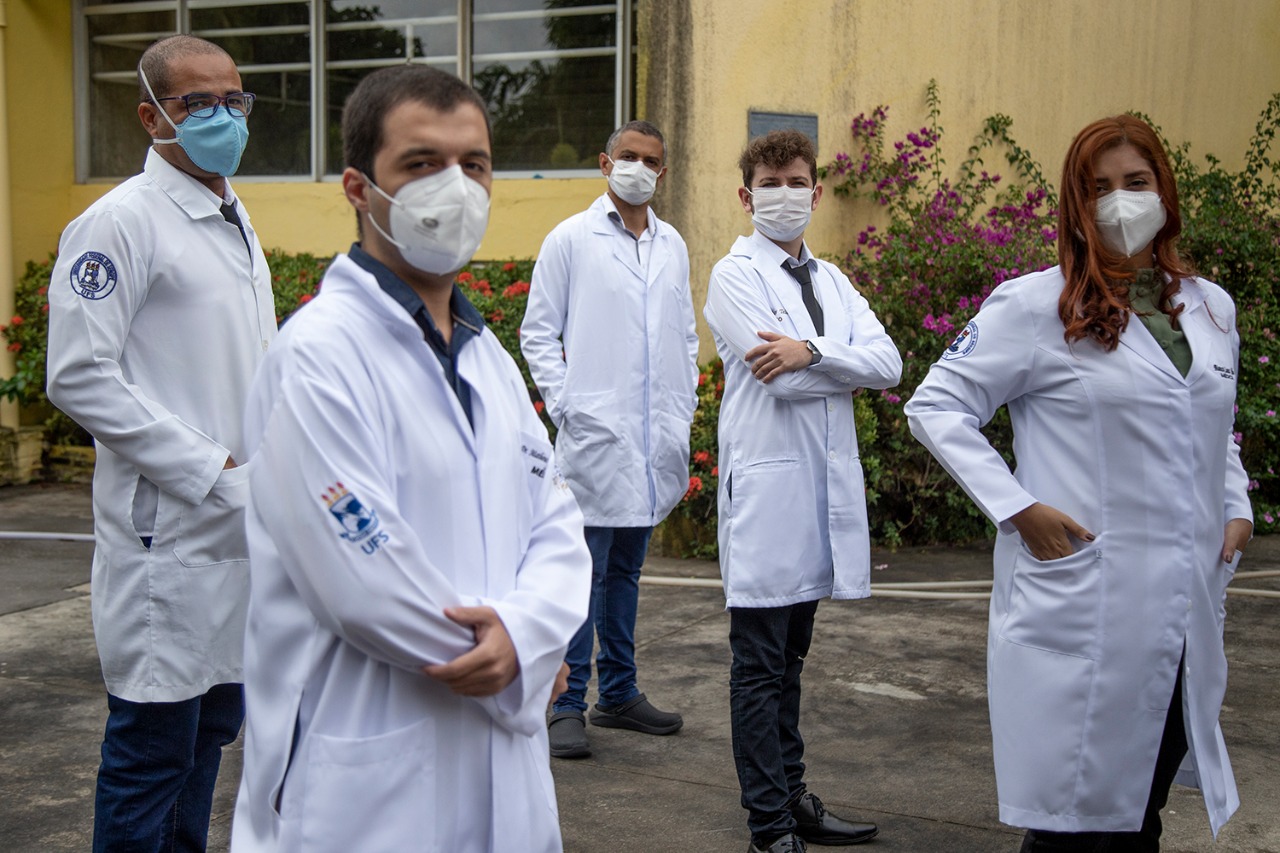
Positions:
{"x": 205, "y": 104}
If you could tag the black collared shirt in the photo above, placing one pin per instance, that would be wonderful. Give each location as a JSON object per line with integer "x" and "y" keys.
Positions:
{"x": 467, "y": 321}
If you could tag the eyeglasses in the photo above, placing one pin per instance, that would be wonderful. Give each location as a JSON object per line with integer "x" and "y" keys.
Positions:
{"x": 204, "y": 104}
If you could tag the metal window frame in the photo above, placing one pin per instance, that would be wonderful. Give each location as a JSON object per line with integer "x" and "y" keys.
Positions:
{"x": 318, "y": 66}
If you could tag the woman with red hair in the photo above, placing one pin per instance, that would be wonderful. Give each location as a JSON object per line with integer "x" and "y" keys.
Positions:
{"x": 1126, "y": 514}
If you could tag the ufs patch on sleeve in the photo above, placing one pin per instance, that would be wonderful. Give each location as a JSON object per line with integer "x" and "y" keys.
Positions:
{"x": 964, "y": 343}
{"x": 93, "y": 276}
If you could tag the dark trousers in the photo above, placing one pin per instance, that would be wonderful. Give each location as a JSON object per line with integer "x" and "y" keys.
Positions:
{"x": 159, "y": 764}
{"x": 1173, "y": 746}
{"x": 769, "y": 645}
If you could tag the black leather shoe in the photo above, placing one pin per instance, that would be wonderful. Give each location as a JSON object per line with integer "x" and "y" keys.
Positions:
{"x": 567, "y": 732}
{"x": 786, "y": 844}
{"x": 818, "y": 826}
{"x": 638, "y": 716}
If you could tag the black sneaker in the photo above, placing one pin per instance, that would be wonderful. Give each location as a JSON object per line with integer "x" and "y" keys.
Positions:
{"x": 567, "y": 732}
{"x": 638, "y": 716}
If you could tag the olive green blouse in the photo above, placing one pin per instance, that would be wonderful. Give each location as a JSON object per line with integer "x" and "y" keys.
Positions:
{"x": 1143, "y": 294}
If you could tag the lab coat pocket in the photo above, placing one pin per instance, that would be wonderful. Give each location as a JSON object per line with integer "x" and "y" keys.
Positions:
{"x": 1226, "y": 571}
{"x": 1055, "y": 604}
{"x": 212, "y": 531}
{"x": 593, "y": 452}
{"x": 1039, "y": 705}
{"x": 372, "y": 794}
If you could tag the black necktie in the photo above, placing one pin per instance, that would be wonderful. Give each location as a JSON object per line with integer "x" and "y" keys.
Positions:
{"x": 801, "y": 274}
{"x": 229, "y": 213}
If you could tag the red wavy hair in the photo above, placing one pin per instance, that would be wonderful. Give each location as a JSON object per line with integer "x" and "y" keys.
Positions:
{"x": 1095, "y": 301}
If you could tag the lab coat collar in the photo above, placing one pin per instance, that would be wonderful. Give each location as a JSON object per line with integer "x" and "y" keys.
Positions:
{"x": 346, "y": 276}
{"x": 192, "y": 196}
{"x": 1192, "y": 321}
{"x": 623, "y": 243}
{"x": 769, "y": 259}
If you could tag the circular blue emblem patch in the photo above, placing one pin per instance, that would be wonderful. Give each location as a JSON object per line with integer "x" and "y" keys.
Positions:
{"x": 93, "y": 276}
{"x": 964, "y": 342}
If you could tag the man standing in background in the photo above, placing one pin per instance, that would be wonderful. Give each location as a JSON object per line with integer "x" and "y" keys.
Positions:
{"x": 160, "y": 310}
{"x": 610, "y": 339}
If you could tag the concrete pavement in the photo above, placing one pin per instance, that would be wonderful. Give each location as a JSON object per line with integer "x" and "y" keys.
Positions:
{"x": 895, "y": 715}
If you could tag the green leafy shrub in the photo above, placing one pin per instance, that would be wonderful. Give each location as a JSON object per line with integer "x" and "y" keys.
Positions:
{"x": 26, "y": 335}
{"x": 947, "y": 245}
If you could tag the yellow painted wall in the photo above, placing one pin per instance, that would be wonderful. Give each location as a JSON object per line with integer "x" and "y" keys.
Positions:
{"x": 1203, "y": 69}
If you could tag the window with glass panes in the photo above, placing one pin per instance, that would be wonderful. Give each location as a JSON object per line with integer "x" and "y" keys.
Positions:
{"x": 556, "y": 74}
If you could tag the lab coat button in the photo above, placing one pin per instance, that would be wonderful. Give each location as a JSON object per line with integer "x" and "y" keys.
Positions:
{"x": 831, "y": 407}
{"x": 832, "y": 456}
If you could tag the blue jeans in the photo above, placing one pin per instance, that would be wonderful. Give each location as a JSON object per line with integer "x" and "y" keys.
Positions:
{"x": 617, "y": 553}
{"x": 769, "y": 645}
{"x": 159, "y": 764}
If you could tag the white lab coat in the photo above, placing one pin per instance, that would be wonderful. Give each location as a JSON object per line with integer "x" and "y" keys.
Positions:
{"x": 152, "y": 351}
{"x": 612, "y": 346}
{"x": 1083, "y": 650}
{"x": 348, "y": 745}
{"x": 793, "y": 512}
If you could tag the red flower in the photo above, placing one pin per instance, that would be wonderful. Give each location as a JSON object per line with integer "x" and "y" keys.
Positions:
{"x": 702, "y": 457}
{"x": 538, "y": 406}
{"x": 304, "y": 298}
{"x": 517, "y": 289}
{"x": 695, "y": 486}
{"x": 15, "y": 347}
{"x": 702, "y": 379}
{"x": 715, "y": 472}
{"x": 483, "y": 286}
{"x": 42, "y": 290}
{"x": 509, "y": 266}
{"x": 497, "y": 316}
{"x": 16, "y": 321}
{"x": 464, "y": 277}
{"x": 45, "y": 308}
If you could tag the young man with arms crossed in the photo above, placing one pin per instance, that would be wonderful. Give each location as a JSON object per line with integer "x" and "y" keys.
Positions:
{"x": 796, "y": 340}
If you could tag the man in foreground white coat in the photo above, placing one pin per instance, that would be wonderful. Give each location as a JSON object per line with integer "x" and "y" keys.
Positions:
{"x": 796, "y": 340}
{"x": 421, "y": 566}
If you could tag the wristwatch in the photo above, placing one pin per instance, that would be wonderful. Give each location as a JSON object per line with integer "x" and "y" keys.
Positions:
{"x": 813, "y": 351}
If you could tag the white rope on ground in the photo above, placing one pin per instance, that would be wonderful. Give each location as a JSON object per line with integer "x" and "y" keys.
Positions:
{"x": 930, "y": 590}
{"x": 66, "y": 537}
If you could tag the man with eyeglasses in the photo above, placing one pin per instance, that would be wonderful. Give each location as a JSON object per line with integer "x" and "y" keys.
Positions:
{"x": 160, "y": 309}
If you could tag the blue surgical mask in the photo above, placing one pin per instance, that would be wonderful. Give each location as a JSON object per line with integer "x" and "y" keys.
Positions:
{"x": 213, "y": 144}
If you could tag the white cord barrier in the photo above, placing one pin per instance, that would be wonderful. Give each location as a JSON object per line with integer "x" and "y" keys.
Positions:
{"x": 935, "y": 590}
{"x": 65, "y": 537}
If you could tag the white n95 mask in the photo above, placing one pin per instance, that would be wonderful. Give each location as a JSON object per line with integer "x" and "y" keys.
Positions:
{"x": 1128, "y": 220}
{"x": 437, "y": 222}
{"x": 632, "y": 181}
{"x": 781, "y": 213}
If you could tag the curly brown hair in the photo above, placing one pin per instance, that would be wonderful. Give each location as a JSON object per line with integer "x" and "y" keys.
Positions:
{"x": 776, "y": 149}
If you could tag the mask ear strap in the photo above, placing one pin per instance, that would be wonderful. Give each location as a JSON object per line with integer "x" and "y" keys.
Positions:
{"x": 151, "y": 92}
{"x": 374, "y": 222}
